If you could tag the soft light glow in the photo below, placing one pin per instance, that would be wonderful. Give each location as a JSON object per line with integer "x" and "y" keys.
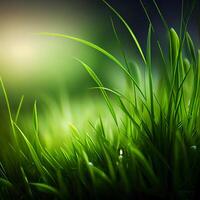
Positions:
{"x": 19, "y": 52}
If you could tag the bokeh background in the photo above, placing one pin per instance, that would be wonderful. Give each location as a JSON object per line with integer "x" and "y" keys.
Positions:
{"x": 44, "y": 67}
{"x": 31, "y": 64}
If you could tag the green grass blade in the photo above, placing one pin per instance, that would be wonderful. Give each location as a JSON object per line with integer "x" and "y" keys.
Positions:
{"x": 161, "y": 15}
{"x": 125, "y": 110}
{"x": 110, "y": 165}
{"x": 35, "y": 118}
{"x": 26, "y": 182}
{"x": 145, "y": 164}
{"x": 102, "y": 174}
{"x": 45, "y": 188}
{"x": 181, "y": 18}
{"x": 9, "y": 111}
{"x": 129, "y": 30}
{"x": 99, "y": 83}
{"x": 101, "y": 50}
{"x": 147, "y": 14}
{"x": 5, "y": 183}
{"x": 149, "y": 65}
{"x": 89, "y": 166}
{"x": 120, "y": 45}
{"x": 174, "y": 46}
{"x": 191, "y": 47}
{"x": 53, "y": 162}
{"x": 19, "y": 108}
{"x": 33, "y": 153}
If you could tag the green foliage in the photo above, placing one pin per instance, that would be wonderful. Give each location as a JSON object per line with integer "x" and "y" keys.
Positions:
{"x": 150, "y": 152}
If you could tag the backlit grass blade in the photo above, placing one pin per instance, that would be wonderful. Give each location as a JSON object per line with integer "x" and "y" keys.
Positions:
{"x": 174, "y": 47}
{"x": 144, "y": 163}
{"x": 129, "y": 30}
{"x": 2, "y": 171}
{"x": 191, "y": 47}
{"x": 89, "y": 166}
{"x": 161, "y": 15}
{"x": 109, "y": 164}
{"x": 5, "y": 183}
{"x": 102, "y": 128}
{"x": 147, "y": 14}
{"x": 99, "y": 83}
{"x": 26, "y": 182}
{"x": 9, "y": 110}
{"x": 161, "y": 53}
{"x": 125, "y": 110}
{"x": 182, "y": 17}
{"x": 35, "y": 118}
{"x": 120, "y": 45}
{"x": 175, "y": 51}
{"x": 36, "y": 128}
{"x": 19, "y": 108}
{"x": 33, "y": 153}
{"x": 101, "y": 50}
{"x": 101, "y": 173}
{"x": 184, "y": 78}
{"x": 149, "y": 65}
{"x": 196, "y": 83}
{"x": 166, "y": 70}
{"x": 40, "y": 148}
{"x": 45, "y": 188}
{"x": 119, "y": 95}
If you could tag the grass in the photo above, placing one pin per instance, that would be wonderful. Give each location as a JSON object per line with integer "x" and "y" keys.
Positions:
{"x": 150, "y": 148}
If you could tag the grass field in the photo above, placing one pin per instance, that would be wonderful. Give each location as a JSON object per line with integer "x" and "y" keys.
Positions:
{"x": 144, "y": 144}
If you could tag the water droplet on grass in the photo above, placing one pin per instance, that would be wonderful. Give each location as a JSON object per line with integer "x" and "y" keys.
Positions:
{"x": 193, "y": 147}
{"x": 90, "y": 163}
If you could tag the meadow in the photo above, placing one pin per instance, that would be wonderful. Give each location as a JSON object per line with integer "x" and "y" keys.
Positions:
{"x": 142, "y": 142}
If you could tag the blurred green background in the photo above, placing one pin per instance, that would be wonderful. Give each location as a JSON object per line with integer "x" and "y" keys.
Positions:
{"x": 34, "y": 65}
